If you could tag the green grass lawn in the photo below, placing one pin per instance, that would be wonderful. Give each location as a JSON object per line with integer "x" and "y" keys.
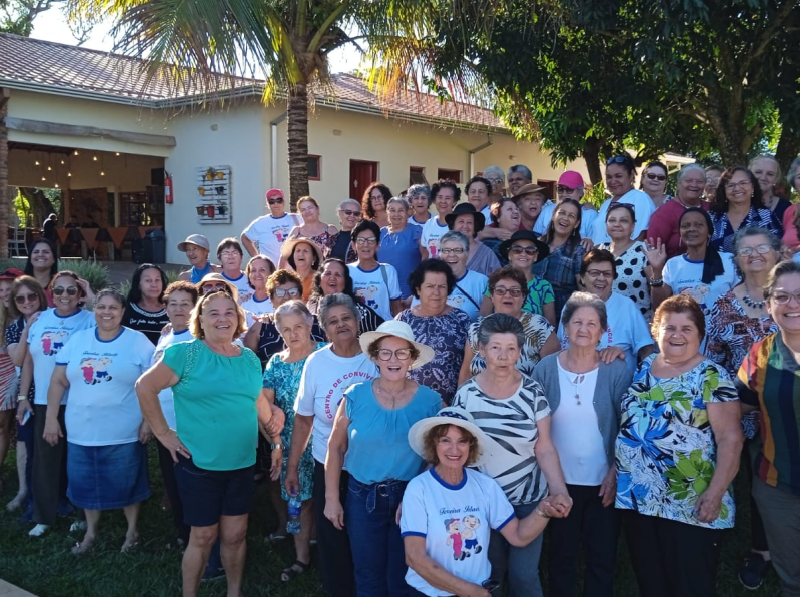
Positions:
{"x": 46, "y": 567}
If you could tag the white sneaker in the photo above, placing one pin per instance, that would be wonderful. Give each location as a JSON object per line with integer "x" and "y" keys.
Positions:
{"x": 38, "y": 530}
{"x": 78, "y": 525}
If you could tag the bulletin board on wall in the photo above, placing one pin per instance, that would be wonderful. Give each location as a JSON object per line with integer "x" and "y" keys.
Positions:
{"x": 213, "y": 199}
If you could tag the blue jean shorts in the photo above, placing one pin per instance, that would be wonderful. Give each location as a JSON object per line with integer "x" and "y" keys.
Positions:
{"x": 209, "y": 495}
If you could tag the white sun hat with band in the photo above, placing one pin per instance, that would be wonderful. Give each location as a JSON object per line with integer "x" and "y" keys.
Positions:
{"x": 450, "y": 415}
{"x": 398, "y": 329}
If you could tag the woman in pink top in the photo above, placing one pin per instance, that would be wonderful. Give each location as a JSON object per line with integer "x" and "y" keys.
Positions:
{"x": 664, "y": 221}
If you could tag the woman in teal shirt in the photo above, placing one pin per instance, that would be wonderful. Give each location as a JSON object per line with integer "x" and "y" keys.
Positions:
{"x": 370, "y": 440}
{"x": 219, "y": 409}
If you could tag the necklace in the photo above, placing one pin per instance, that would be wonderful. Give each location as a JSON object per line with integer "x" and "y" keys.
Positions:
{"x": 391, "y": 395}
{"x": 753, "y": 304}
{"x": 577, "y": 383}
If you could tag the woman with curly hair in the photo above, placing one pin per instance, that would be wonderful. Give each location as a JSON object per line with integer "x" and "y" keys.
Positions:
{"x": 374, "y": 203}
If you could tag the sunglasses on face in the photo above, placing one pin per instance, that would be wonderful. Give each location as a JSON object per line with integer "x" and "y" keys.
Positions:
{"x": 519, "y": 249}
{"x": 214, "y": 287}
{"x": 350, "y": 212}
{"x": 282, "y": 292}
{"x": 654, "y": 176}
{"x": 21, "y": 299}
{"x": 275, "y": 201}
{"x": 70, "y": 290}
{"x": 366, "y": 241}
{"x": 563, "y": 189}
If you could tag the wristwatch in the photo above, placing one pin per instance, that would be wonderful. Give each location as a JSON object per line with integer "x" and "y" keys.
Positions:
{"x": 22, "y": 397}
{"x": 276, "y": 446}
{"x": 655, "y": 283}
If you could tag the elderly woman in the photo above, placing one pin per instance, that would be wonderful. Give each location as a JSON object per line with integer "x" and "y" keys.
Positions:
{"x": 338, "y": 245}
{"x": 767, "y": 381}
{"x": 739, "y": 202}
{"x": 478, "y": 191}
{"x": 505, "y": 222}
{"x": 664, "y": 222}
{"x": 791, "y": 217}
{"x": 263, "y": 337}
{"x": 632, "y": 268}
{"x": 375, "y": 284}
{"x": 627, "y": 332}
{"x": 675, "y": 495}
{"x": 523, "y": 250}
{"x": 419, "y": 198}
{"x": 42, "y": 265}
{"x": 333, "y": 277}
{"x": 449, "y": 511}
{"x": 702, "y": 272}
{"x": 230, "y": 255}
{"x": 470, "y": 288}
{"x": 655, "y": 178}
{"x": 281, "y": 382}
{"x": 219, "y": 409}
{"x": 326, "y": 375}
{"x": 713, "y": 173}
{"x": 258, "y": 270}
{"x": 26, "y": 302}
{"x": 620, "y": 177}
{"x": 304, "y": 257}
{"x": 399, "y": 243}
{"x": 312, "y": 228}
{"x": 438, "y": 325}
{"x": 374, "y": 203}
{"x": 445, "y": 195}
{"x": 467, "y": 220}
{"x": 497, "y": 178}
{"x": 47, "y": 337}
{"x": 767, "y": 171}
{"x": 144, "y": 311}
{"x": 507, "y": 289}
{"x": 563, "y": 264}
{"x": 584, "y": 395}
{"x": 522, "y": 458}
{"x": 370, "y": 437}
{"x": 106, "y": 459}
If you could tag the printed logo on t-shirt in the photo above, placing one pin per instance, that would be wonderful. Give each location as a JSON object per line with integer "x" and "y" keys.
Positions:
{"x": 462, "y": 536}
{"x": 281, "y": 233}
{"x": 95, "y": 370}
{"x": 367, "y": 296}
{"x": 698, "y": 293}
{"x": 433, "y": 248}
{"x": 456, "y": 300}
{"x": 53, "y": 342}
{"x": 345, "y": 381}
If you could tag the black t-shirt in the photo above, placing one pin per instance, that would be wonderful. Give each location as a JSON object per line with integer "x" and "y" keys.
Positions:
{"x": 150, "y": 324}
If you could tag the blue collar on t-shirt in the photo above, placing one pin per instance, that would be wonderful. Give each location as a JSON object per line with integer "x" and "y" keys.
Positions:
{"x": 447, "y": 485}
{"x": 232, "y": 279}
{"x": 99, "y": 339}
{"x": 691, "y": 260}
{"x": 368, "y": 271}
{"x": 66, "y": 316}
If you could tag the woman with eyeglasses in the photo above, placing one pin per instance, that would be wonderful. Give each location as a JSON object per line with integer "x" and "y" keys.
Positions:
{"x": 767, "y": 381}
{"x": 47, "y": 337}
{"x": 263, "y": 337}
{"x": 399, "y": 245}
{"x": 258, "y": 269}
{"x": 374, "y": 204}
{"x": 654, "y": 183}
{"x": 469, "y": 293}
{"x": 632, "y": 269}
{"x": 370, "y": 439}
{"x": 620, "y": 178}
{"x": 508, "y": 289}
{"x": 739, "y": 202}
{"x": 339, "y": 245}
{"x": 26, "y": 302}
{"x": 702, "y": 272}
{"x": 42, "y": 264}
{"x": 230, "y": 255}
{"x": 664, "y": 222}
{"x": 334, "y": 277}
{"x": 375, "y": 284}
{"x": 145, "y": 310}
{"x": 312, "y": 228}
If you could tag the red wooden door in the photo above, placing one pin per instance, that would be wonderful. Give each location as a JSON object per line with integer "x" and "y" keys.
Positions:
{"x": 362, "y": 174}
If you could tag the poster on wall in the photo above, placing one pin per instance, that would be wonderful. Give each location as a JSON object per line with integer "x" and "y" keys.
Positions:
{"x": 213, "y": 194}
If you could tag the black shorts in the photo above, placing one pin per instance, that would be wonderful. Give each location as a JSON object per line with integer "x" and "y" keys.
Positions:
{"x": 208, "y": 495}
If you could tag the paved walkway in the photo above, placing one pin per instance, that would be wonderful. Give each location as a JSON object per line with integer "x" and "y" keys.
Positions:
{"x": 9, "y": 590}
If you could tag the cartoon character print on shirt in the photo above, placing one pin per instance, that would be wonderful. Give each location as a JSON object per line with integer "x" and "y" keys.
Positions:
{"x": 53, "y": 342}
{"x": 698, "y": 293}
{"x": 433, "y": 249}
{"x": 367, "y": 296}
{"x": 453, "y": 526}
{"x": 95, "y": 370}
{"x": 281, "y": 233}
{"x": 456, "y": 300}
{"x": 470, "y": 525}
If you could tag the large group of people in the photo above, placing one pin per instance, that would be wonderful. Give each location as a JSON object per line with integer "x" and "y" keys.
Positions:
{"x": 429, "y": 395}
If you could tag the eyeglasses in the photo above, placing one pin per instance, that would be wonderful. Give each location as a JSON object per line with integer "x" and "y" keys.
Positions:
{"x": 457, "y": 251}
{"x": 70, "y": 290}
{"x": 783, "y": 298}
{"x": 214, "y": 287}
{"x": 282, "y": 292}
{"x": 275, "y": 201}
{"x": 366, "y": 241}
{"x": 519, "y": 249}
{"x": 617, "y": 159}
{"x": 514, "y": 291}
{"x": 230, "y": 254}
{"x": 735, "y": 185}
{"x": 21, "y": 299}
{"x": 350, "y": 212}
{"x": 654, "y": 176}
{"x": 564, "y": 189}
{"x": 598, "y": 273}
{"x": 402, "y": 354}
{"x": 495, "y": 180}
{"x": 760, "y": 249}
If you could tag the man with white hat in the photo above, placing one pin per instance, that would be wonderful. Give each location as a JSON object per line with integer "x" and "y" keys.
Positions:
{"x": 196, "y": 248}
{"x": 266, "y": 234}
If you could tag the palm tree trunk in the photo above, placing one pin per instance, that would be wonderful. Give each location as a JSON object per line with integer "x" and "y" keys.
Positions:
{"x": 297, "y": 141}
{"x": 4, "y": 199}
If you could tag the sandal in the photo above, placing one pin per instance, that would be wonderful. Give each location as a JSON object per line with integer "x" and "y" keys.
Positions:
{"x": 274, "y": 538}
{"x": 289, "y": 573}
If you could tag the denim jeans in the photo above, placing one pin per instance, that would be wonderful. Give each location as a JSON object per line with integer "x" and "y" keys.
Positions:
{"x": 521, "y": 563}
{"x": 379, "y": 557}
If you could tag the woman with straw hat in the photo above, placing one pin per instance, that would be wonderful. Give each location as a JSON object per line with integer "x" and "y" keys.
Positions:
{"x": 370, "y": 436}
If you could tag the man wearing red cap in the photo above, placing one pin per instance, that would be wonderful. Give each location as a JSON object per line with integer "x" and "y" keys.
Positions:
{"x": 570, "y": 186}
{"x": 266, "y": 234}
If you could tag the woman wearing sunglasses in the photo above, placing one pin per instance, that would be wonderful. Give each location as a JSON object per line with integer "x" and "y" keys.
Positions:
{"x": 26, "y": 303}
{"x": 654, "y": 183}
{"x": 339, "y": 245}
{"x": 46, "y": 339}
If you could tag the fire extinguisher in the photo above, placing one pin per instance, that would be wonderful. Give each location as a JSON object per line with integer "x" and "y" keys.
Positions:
{"x": 167, "y": 187}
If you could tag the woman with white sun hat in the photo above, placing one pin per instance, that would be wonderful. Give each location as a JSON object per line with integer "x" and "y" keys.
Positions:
{"x": 370, "y": 439}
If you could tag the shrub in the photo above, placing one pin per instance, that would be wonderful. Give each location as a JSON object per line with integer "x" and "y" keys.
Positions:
{"x": 93, "y": 272}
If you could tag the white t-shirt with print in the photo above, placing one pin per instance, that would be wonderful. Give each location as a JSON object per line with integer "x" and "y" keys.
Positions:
{"x": 456, "y": 522}
{"x": 103, "y": 409}
{"x": 268, "y": 233}
{"x": 627, "y": 329}
{"x": 432, "y": 231}
{"x": 375, "y": 291}
{"x": 643, "y": 206}
{"x": 242, "y": 287}
{"x": 323, "y": 382}
{"x": 471, "y": 283}
{"x": 254, "y": 308}
{"x": 165, "y": 395}
{"x": 683, "y": 275}
{"x": 487, "y": 213}
{"x": 46, "y": 339}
